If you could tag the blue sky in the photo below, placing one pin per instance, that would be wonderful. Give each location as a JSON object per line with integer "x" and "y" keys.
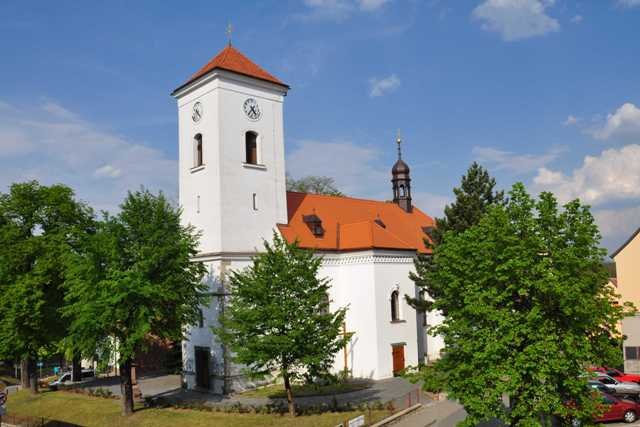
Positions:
{"x": 541, "y": 91}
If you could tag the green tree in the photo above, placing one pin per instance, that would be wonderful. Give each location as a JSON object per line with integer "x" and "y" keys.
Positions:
{"x": 527, "y": 308}
{"x": 314, "y": 184}
{"x": 472, "y": 200}
{"x": 278, "y": 318}
{"x": 135, "y": 279}
{"x": 39, "y": 226}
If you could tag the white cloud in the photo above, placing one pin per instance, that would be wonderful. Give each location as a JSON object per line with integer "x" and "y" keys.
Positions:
{"x": 571, "y": 120}
{"x": 357, "y": 171}
{"x": 577, "y": 19}
{"x": 107, "y": 171}
{"x": 624, "y": 123}
{"x": 380, "y": 87}
{"x": 617, "y": 224}
{"x": 336, "y": 159}
{"x": 516, "y": 19}
{"x": 614, "y": 175}
{"x": 371, "y": 5}
{"x": 431, "y": 204}
{"x": 515, "y": 163}
{"x": 338, "y": 10}
{"x": 629, "y": 3}
{"x": 54, "y": 145}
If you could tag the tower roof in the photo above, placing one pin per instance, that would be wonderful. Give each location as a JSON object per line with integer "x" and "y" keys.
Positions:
{"x": 400, "y": 167}
{"x": 231, "y": 59}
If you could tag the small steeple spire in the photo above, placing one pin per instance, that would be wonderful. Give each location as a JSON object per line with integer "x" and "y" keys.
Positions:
{"x": 229, "y": 31}
{"x": 401, "y": 180}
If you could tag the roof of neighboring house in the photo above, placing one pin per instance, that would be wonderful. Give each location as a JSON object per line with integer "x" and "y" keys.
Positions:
{"x": 231, "y": 59}
{"x": 353, "y": 224}
{"x": 614, "y": 281}
{"x": 624, "y": 245}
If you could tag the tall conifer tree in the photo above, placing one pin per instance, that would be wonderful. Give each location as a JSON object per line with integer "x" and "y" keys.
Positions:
{"x": 474, "y": 196}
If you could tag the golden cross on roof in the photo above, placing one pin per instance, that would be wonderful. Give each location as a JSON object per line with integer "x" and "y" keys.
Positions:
{"x": 399, "y": 141}
{"x": 229, "y": 30}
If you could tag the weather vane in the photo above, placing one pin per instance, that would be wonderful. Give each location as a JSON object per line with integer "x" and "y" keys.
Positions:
{"x": 229, "y": 31}
{"x": 399, "y": 141}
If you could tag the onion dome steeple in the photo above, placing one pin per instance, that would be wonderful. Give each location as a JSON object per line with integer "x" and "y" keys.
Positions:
{"x": 401, "y": 180}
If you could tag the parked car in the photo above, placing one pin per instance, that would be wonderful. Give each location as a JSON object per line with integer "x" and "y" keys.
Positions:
{"x": 63, "y": 379}
{"x": 616, "y": 409}
{"x": 619, "y": 386}
{"x": 597, "y": 385}
{"x": 66, "y": 378}
{"x": 617, "y": 374}
{"x": 619, "y": 409}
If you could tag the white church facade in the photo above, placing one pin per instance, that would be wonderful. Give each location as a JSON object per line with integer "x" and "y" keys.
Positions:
{"x": 232, "y": 188}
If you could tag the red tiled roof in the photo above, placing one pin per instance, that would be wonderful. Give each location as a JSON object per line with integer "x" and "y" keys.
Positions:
{"x": 231, "y": 59}
{"x": 354, "y": 224}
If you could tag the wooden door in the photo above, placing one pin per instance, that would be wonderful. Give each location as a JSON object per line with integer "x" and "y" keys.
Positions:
{"x": 202, "y": 367}
{"x": 398, "y": 358}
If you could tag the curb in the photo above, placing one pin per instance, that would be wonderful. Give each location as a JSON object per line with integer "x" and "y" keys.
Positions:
{"x": 397, "y": 415}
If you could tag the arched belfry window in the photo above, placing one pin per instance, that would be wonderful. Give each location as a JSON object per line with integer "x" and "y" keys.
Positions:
{"x": 395, "y": 306}
{"x": 197, "y": 147}
{"x": 251, "y": 147}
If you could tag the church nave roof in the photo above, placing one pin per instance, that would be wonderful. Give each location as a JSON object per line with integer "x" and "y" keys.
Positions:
{"x": 350, "y": 224}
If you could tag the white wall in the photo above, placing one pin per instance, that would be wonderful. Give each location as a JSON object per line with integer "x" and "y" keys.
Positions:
{"x": 225, "y": 185}
{"x": 363, "y": 281}
{"x": 392, "y": 272}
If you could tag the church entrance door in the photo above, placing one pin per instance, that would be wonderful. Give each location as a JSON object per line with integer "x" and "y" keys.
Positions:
{"x": 202, "y": 367}
{"x": 398, "y": 358}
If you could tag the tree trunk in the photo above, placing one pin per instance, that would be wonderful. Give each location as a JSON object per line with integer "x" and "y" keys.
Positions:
{"x": 126, "y": 387}
{"x": 76, "y": 369}
{"x": 33, "y": 375}
{"x": 287, "y": 386}
{"x": 24, "y": 373}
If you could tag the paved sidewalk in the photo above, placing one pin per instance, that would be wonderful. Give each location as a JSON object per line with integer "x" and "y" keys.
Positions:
{"x": 443, "y": 413}
{"x": 396, "y": 390}
{"x": 149, "y": 386}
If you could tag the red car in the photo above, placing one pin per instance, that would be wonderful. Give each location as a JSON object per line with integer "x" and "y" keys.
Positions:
{"x": 618, "y": 375}
{"x": 619, "y": 409}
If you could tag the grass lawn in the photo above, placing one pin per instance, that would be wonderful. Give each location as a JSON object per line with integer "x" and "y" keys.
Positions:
{"x": 94, "y": 411}
{"x": 277, "y": 390}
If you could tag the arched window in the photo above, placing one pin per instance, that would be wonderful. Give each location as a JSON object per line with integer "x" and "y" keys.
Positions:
{"x": 197, "y": 146}
{"x": 423, "y": 314}
{"x": 402, "y": 191}
{"x": 200, "y": 318}
{"x": 251, "y": 147}
{"x": 395, "y": 306}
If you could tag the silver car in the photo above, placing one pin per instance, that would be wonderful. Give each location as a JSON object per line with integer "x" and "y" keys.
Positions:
{"x": 618, "y": 386}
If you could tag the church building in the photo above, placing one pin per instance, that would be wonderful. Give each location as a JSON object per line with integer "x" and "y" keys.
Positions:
{"x": 232, "y": 188}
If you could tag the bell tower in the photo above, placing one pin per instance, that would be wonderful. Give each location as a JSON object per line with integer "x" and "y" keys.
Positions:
{"x": 231, "y": 153}
{"x": 401, "y": 180}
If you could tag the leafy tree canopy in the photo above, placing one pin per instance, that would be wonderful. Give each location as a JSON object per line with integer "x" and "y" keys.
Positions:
{"x": 39, "y": 226}
{"x": 278, "y": 318}
{"x": 314, "y": 184}
{"x": 527, "y": 308}
{"x": 135, "y": 279}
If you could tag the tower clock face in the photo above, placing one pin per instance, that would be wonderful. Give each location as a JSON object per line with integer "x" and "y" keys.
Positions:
{"x": 196, "y": 114}
{"x": 252, "y": 109}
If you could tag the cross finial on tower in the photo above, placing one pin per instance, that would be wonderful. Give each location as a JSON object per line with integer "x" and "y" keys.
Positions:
{"x": 229, "y": 30}
{"x": 399, "y": 141}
